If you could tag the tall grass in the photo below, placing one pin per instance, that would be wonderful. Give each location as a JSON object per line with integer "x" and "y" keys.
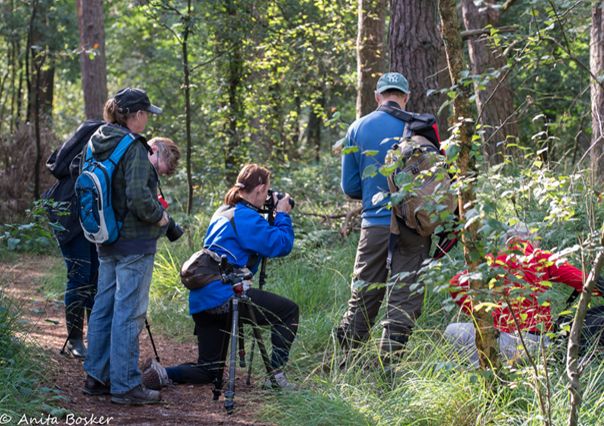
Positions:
{"x": 429, "y": 386}
{"x": 21, "y": 372}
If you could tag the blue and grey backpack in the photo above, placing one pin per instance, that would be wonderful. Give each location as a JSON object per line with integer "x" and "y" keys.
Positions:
{"x": 93, "y": 190}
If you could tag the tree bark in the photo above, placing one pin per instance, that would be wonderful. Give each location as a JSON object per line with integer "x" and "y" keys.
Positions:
{"x": 596, "y": 64}
{"x": 187, "y": 87}
{"x": 370, "y": 52}
{"x": 235, "y": 70}
{"x": 92, "y": 56}
{"x": 495, "y": 101}
{"x": 486, "y": 343}
{"x": 314, "y": 127}
{"x": 416, "y": 51}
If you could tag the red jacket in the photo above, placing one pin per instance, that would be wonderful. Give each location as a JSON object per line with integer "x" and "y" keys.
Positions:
{"x": 525, "y": 272}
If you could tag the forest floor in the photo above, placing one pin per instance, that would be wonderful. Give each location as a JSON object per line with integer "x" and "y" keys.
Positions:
{"x": 45, "y": 327}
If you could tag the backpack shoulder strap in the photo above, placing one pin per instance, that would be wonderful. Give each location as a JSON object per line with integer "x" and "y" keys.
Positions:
{"x": 422, "y": 124}
{"x": 121, "y": 148}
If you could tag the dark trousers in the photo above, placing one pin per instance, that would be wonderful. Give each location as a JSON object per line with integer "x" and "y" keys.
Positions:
{"x": 214, "y": 331}
{"x": 82, "y": 264}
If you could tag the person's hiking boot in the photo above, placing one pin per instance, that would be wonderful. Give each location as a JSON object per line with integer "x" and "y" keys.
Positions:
{"x": 140, "y": 395}
{"x": 74, "y": 320}
{"x": 93, "y": 387}
{"x": 76, "y": 348}
{"x": 154, "y": 375}
{"x": 278, "y": 381}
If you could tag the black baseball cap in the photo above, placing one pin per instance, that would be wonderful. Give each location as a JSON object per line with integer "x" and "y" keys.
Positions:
{"x": 131, "y": 100}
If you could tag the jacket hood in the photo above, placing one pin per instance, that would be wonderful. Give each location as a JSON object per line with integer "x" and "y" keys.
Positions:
{"x": 106, "y": 138}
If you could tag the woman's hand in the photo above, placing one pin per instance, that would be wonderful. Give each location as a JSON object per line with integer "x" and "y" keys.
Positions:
{"x": 165, "y": 219}
{"x": 283, "y": 204}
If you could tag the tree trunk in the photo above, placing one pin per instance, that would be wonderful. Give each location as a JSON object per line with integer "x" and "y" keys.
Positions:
{"x": 43, "y": 70}
{"x": 370, "y": 52}
{"x": 495, "y": 101}
{"x": 235, "y": 68}
{"x": 187, "y": 87}
{"x": 92, "y": 56}
{"x": 486, "y": 343}
{"x": 596, "y": 63}
{"x": 572, "y": 355}
{"x": 416, "y": 51}
{"x": 314, "y": 127}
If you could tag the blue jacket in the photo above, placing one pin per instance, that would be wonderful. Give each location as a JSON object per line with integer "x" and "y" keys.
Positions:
{"x": 253, "y": 236}
{"x": 376, "y": 131}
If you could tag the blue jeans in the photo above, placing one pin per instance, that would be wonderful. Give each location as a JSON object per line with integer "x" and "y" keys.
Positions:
{"x": 118, "y": 316}
{"x": 82, "y": 265}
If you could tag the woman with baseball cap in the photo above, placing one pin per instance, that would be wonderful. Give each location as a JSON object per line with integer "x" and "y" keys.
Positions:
{"x": 126, "y": 266}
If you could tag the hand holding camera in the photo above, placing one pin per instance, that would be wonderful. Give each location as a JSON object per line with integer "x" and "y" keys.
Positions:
{"x": 279, "y": 202}
{"x": 285, "y": 204}
{"x": 174, "y": 231}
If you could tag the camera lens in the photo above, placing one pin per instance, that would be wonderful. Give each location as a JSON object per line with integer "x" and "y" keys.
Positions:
{"x": 174, "y": 231}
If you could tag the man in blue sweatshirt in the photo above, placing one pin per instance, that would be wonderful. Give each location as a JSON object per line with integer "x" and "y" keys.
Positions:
{"x": 368, "y": 140}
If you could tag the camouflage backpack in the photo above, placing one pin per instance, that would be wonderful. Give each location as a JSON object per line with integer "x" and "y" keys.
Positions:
{"x": 419, "y": 185}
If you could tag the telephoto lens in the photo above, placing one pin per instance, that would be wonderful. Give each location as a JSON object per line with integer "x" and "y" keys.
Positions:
{"x": 174, "y": 231}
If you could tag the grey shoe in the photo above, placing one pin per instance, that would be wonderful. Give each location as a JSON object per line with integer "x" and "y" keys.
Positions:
{"x": 154, "y": 375}
{"x": 137, "y": 396}
{"x": 278, "y": 381}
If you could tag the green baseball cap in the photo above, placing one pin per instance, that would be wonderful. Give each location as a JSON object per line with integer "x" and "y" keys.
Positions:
{"x": 392, "y": 80}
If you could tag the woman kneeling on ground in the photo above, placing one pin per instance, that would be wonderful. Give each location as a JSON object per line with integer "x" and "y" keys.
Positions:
{"x": 239, "y": 231}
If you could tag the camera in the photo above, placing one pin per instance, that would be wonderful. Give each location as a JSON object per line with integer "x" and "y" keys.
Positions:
{"x": 174, "y": 231}
{"x": 270, "y": 204}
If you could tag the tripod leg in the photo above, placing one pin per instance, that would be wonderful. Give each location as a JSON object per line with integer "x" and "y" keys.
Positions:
{"x": 241, "y": 346}
{"x": 229, "y": 395}
{"x": 258, "y": 338}
{"x": 248, "y": 381}
{"x": 151, "y": 338}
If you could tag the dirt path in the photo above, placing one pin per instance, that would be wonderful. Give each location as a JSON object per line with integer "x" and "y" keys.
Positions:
{"x": 180, "y": 404}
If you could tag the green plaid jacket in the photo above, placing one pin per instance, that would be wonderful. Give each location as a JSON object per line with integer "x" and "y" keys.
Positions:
{"x": 134, "y": 185}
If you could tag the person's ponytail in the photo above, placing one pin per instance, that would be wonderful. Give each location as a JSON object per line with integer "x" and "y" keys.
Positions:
{"x": 111, "y": 113}
{"x": 232, "y": 197}
{"x": 250, "y": 176}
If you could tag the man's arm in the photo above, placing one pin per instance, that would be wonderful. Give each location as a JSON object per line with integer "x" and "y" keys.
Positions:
{"x": 351, "y": 175}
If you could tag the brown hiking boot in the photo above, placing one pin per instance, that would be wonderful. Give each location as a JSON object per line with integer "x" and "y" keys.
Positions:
{"x": 137, "y": 396}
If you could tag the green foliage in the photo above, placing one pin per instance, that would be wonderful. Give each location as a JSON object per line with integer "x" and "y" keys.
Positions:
{"x": 33, "y": 236}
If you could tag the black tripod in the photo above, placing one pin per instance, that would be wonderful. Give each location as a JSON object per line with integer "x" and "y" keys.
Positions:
{"x": 239, "y": 281}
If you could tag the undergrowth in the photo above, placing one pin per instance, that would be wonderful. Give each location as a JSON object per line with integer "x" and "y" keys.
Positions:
{"x": 21, "y": 370}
